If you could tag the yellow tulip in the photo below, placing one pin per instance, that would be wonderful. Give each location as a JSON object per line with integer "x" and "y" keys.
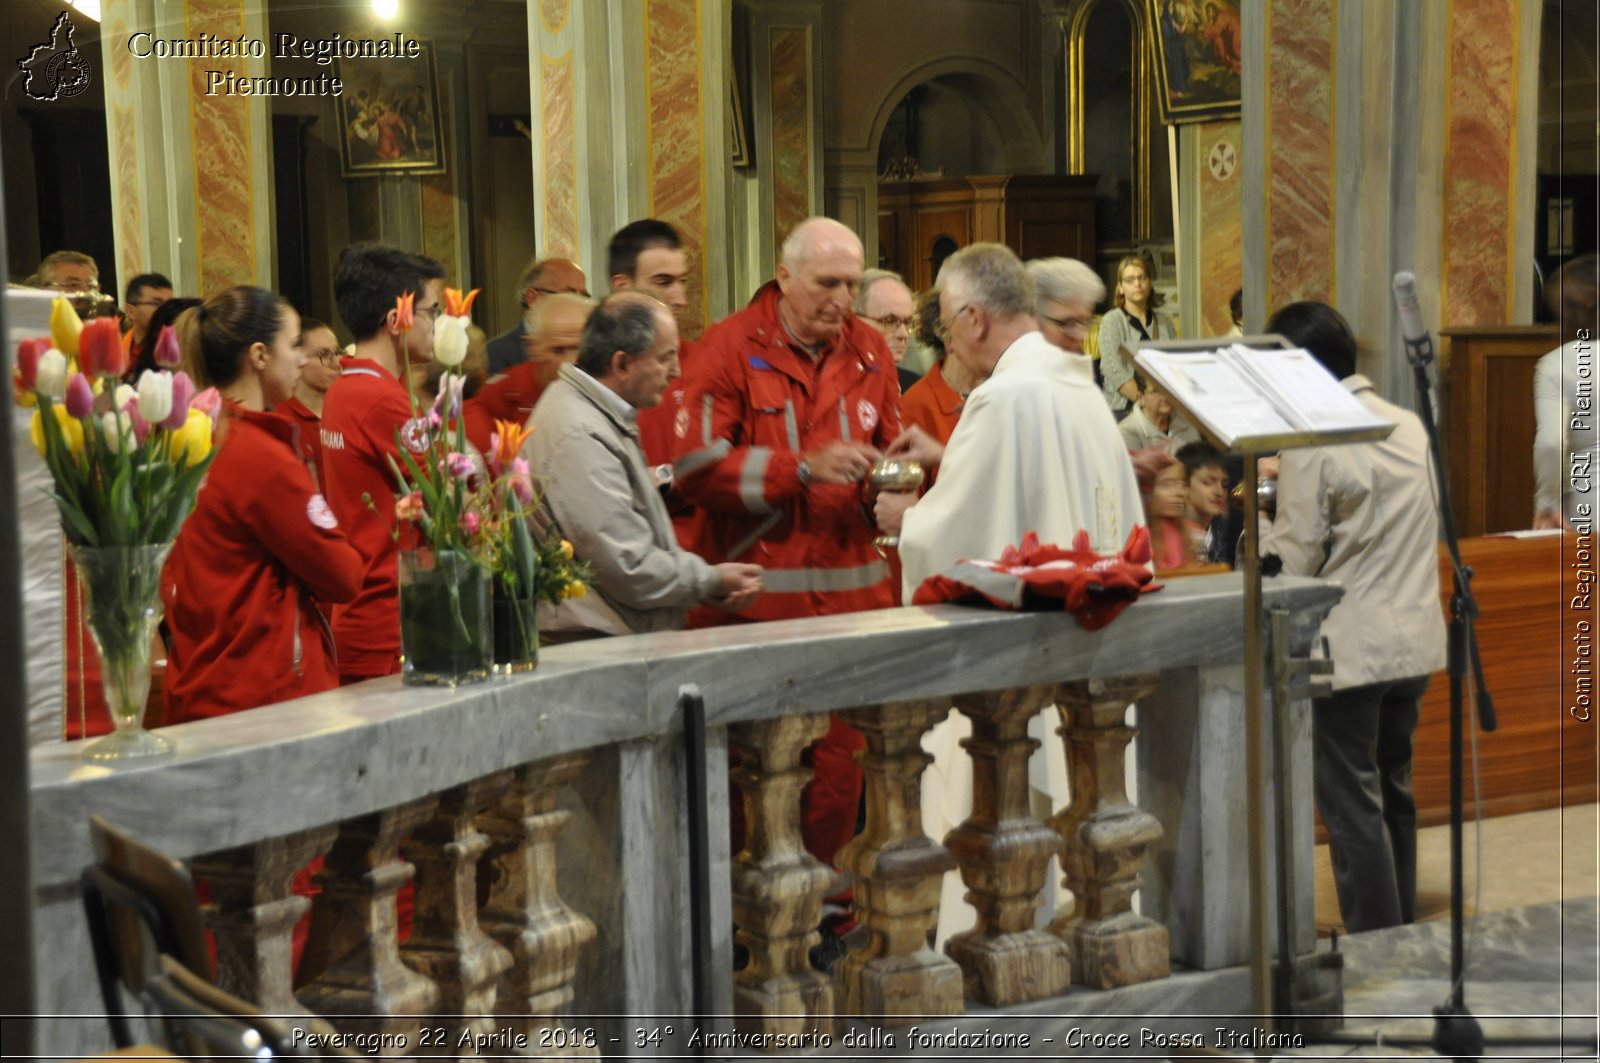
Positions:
{"x": 191, "y": 442}
{"x": 65, "y": 325}
{"x": 71, "y": 428}
{"x": 575, "y": 589}
{"x": 566, "y": 550}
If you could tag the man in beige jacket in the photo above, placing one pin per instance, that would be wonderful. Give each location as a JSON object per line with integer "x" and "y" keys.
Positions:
{"x": 1365, "y": 514}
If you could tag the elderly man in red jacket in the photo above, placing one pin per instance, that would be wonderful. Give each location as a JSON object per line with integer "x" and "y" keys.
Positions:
{"x": 789, "y": 403}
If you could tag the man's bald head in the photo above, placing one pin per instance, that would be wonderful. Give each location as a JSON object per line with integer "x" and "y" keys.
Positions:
{"x": 554, "y": 329}
{"x": 816, "y": 237}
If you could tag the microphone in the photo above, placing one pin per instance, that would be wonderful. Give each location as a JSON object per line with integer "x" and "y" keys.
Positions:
{"x": 1419, "y": 345}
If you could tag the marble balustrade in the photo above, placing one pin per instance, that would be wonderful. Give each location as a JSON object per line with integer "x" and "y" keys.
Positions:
{"x": 540, "y": 820}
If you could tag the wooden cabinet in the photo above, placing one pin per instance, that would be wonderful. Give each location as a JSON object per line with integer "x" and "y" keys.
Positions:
{"x": 921, "y": 223}
{"x": 1489, "y": 432}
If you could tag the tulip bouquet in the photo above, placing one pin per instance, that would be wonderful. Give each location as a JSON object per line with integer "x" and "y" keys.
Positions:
{"x": 126, "y": 464}
{"x": 441, "y": 497}
{"x": 126, "y": 461}
{"x": 527, "y": 567}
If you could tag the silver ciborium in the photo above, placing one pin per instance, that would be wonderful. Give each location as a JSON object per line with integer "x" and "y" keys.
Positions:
{"x": 891, "y": 475}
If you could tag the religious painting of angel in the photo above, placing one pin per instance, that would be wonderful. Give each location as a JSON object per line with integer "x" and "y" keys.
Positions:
{"x": 1198, "y": 58}
{"x": 389, "y": 120}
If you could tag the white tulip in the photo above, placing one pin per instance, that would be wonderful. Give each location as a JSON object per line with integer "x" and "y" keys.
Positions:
{"x": 123, "y": 395}
{"x": 118, "y": 436}
{"x": 155, "y": 396}
{"x": 450, "y": 340}
{"x": 53, "y": 376}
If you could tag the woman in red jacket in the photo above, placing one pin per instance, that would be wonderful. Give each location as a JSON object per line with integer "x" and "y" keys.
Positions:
{"x": 262, "y": 548}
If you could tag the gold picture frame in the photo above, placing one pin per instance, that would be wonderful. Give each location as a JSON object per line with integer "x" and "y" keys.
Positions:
{"x": 389, "y": 117}
{"x": 1198, "y": 50}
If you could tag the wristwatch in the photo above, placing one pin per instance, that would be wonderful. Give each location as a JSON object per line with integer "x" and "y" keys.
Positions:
{"x": 803, "y": 470}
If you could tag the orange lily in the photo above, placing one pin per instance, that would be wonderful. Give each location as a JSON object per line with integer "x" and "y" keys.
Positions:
{"x": 455, "y": 305}
{"x": 404, "y": 314}
{"x": 509, "y": 438}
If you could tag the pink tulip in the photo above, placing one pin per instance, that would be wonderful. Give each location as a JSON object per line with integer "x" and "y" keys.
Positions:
{"x": 521, "y": 480}
{"x": 494, "y": 453}
{"x": 28, "y": 354}
{"x": 182, "y": 396}
{"x": 167, "y": 354}
{"x": 209, "y": 402}
{"x": 470, "y": 522}
{"x": 100, "y": 350}
{"x": 80, "y": 396}
{"x": 459, "y": 465}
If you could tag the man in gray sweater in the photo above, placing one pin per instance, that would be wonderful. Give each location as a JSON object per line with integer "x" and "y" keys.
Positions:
{"x": 600, "y": 494}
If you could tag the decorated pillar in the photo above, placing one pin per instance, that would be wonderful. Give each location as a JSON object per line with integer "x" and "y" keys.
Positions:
{"x": 191, "y": 168}
{"x": 1383, "y": 136}
{"x": 632, "y": 124}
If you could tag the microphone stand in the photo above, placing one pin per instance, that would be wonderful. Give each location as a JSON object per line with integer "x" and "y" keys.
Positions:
{"x": 1456, "y": 1033}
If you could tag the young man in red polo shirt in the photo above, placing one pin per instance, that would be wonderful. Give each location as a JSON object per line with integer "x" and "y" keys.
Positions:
{"x": 363, "y": 414}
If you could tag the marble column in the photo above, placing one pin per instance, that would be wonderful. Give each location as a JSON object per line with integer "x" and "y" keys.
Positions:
{"x": 191, "y": 179}
{"x": 1383, "y": 136}
{"x": 632, "y": 123}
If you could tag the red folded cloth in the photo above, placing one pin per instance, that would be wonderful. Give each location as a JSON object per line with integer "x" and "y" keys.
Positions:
{"x": 1093, "y": 587}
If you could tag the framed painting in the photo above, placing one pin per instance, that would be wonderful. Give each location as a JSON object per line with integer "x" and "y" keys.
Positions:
{"x": 389, "y": 120}
{"x": 1198, "y": 52}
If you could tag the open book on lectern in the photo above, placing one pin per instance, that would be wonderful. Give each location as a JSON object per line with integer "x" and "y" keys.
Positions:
{"x": 1260, "y": 397}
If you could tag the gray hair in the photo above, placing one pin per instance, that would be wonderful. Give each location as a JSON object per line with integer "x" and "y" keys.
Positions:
{"x": 1065, "y": 280}
{"x": 805, "y": 238}
{"x": 990, "y": 275}
{"x": 541, "y": 312}
{"x": 625, "y": 323}
{"x": 868, "y": 279}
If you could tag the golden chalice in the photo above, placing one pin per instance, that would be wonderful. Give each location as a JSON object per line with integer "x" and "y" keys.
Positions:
{"x": 897, "y": 476}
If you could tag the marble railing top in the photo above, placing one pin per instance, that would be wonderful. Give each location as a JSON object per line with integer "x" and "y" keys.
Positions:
{"x": 284, "y": 768}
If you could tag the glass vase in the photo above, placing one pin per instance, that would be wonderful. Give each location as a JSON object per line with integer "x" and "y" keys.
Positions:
{"x": 516, "y": 630}
{"x": 122, "y": 586}
{"x": 444, "y": 618}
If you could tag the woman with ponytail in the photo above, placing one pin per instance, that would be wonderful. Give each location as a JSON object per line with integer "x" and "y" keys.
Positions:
{"x": 262, "y": 547}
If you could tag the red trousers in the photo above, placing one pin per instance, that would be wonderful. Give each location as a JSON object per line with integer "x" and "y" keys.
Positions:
{"x": 831, "y": 800}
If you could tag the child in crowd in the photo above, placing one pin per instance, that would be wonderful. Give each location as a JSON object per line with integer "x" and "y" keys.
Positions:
{"x": 1164, "y": 487}
{"x": 1206, "y": 515}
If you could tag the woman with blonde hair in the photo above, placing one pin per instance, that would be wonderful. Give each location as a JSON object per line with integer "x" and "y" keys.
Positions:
{"x": 1133, "y": 319}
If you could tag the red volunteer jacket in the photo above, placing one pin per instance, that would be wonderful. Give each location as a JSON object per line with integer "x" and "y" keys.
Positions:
{"x": 755, "y": 405}
{"x": 309, "y": 440}
{"x": 239, "y": 583}
{"x": 364, "y": 410}
{"x": 510, "y": 396}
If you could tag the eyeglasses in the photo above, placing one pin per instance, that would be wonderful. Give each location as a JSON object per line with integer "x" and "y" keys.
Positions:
{"x": 892, "y": 322}
{"x": 942, "y": 328}
{"x": 431, "y": 311}
{"x": 1069, "y": 324}
{"x": 331, "y": 358}
{"x": 73, "y": 287}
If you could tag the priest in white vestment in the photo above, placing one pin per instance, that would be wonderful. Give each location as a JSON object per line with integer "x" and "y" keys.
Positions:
{"x": 1037, "y": 450}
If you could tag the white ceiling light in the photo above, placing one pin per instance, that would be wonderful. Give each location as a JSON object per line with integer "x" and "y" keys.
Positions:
{"x": 386, "y": 9}
{"x": 88, "y": 8}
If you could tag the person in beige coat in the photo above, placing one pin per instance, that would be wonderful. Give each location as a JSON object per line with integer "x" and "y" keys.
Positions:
{"x": 1366, "y": 515}
{"x": 601, "y": 496}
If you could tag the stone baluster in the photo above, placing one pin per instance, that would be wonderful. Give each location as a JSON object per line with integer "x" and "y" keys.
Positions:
{"x": 1105, "y": 837}
{"x": 895, "y": 978}
{"x": 253, "y": 912}
{"x": 353, "y": 956}
{"x": 446, "y": 942}
{"x": 1004, "y": 855}
{"x": 777, "y": 886}
{"x": 524, "y": 911}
